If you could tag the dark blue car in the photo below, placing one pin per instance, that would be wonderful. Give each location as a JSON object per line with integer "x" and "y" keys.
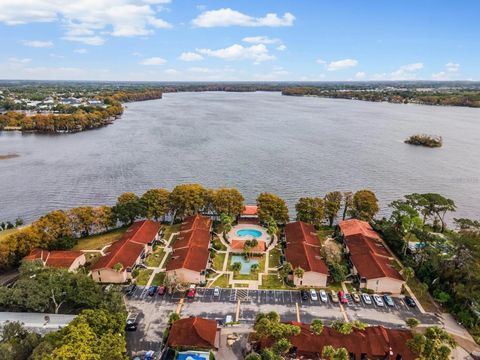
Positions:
{"x": 152, "y": 290}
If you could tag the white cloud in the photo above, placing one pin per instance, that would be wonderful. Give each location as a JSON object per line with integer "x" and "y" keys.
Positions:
{"x": 137, "y": 54}
{"x": 37, "y": 43}
{"x": 190, "y": 56}
{"x": 80, "y": 51}
{"x": 281, "y": 48}
{"x": 442, "y": 75}
{"x": 406, "y": 72}
{"x": 320, "y": 61}
{"x": 153, "y": 61}
{"x": 360, "y": 75}
{"x": 261, "y": 40}
{"x": 171, "y": 72}
{"x": 452, "y": 67}
{"x": 341, "y": 64}
{"x": 157, "y": 2}
{"x": 258, "y": 53}
{"x": 86, "y": 21}
{"x": 229, "y": 17}
{"x": 22, "y": 61}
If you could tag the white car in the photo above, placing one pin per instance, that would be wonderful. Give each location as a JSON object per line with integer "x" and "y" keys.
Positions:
{"x": 378, "y": 300}
{"x": 216, "y": 292}
{"x": 367, "y": 299}
{"x": 323, "y": 296}
{"x": 313, "y": 295}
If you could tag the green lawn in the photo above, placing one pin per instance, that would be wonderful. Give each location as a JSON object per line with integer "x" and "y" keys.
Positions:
{"x": 217, "y": 244}
{"x": 155, "y": 258}
{"x": 325, "y": 232}
{"x": 169, "y": 230}
{"x": 143, "y": 276}
{"x": 96, "y": 242}
{"x": 274, "y": 257}
{"x": 92, "y": 259}
{"x": 422, "y": 296}
{"x": 272, "y": 281}
{"x": 158, "y": 279}
{"x": 222, "y": 282}
{"x": 218, "y": 261}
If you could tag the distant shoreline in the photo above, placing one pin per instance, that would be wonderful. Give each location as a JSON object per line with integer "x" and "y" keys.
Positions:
{"x": 8, "y": 156}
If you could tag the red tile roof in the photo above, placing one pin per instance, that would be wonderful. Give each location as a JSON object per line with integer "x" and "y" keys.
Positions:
{"x": 57, "y": 258}
{"x": 357, "y": 227}
{"x": 130, "y": 246}
{"x": 190, "y": 250}
{"x": 375, "y": 341}
{"x": 63, "y": 259}
{"x": 303, "y": 247}
{"x": 193, "y": 332}
{"x": 238, "y": 245}
{"x": 368, "y": 254}
{"x": 250, "y": 210}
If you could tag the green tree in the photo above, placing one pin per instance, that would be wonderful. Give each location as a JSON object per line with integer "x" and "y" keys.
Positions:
{"x": 272, "y": 206}
{"x": 310, "y": 210}
{"x": 347, "y": 203}
{"x": 236, "y": 266}
{"x": 432, "y": 205}
{"x": 434, "y": 344}
{"x": 286, "y": 270}
{"x": 337, "y": 271}
{"x": 188, "y": 199}
{"x": 342, "y": 327}
{"x": 408, "y": 273}
{"x": 364, "y": 206}
{"x": 82, "y": 220}
{"x": 333, "y": 202}
{"x": 227, "y": 222}
{"x": 412, "y": 323}
{"x": 317, "y": 326}
{"x": 272, "y": 227}
{"x": 269, "y": 326}
{"x": 228, "y": 201}
{"x": 282, "y": 346}
{"x": 128, "y": 208}
{"x": 331, "y": 353}
{"x": 253, "y": 356}
{"x": 156, "y": 203}
{"x": 299, "y": 272}
{"x": 16, "y": 342}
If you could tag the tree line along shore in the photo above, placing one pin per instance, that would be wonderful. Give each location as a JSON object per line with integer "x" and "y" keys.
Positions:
{"x": 416, "y": 231}
{"x": 68, "y": 118}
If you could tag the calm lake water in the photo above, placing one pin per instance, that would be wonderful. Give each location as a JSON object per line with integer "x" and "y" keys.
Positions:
{"x": 256, "y": 142}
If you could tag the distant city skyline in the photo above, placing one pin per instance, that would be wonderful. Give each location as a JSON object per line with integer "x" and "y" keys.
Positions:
{"x": 179, "y": 40}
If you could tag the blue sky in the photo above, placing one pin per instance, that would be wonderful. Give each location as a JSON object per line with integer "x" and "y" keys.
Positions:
{"x": 240, "y": 40}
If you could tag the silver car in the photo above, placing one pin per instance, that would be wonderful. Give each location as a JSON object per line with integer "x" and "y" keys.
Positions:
{"x": 323, "y": 296}
{"x": 367, "y": 299}
{"x": 313, "y": 295}
{"x": 216, "y": 292}
{"x": 378, "y": 300}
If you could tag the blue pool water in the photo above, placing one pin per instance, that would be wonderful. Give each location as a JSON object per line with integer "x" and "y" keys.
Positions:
{"x": 246, "y": 264}
{"x": 249, "y": 232}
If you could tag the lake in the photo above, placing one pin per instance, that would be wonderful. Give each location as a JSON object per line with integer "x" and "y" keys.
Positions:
{"x": 292, "y": 146}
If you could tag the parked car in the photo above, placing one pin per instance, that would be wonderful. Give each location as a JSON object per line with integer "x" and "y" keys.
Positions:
{"x": 323, "y": 296}
{"x": 162, "y": 290}
{"x": 410, "y": 302}
{"x": 378, "y": 300}
{"x": 313, "y": 295}
{"x": 342, "y": 296}
{"x": 304, "y": 294}
{"x": 334, "y": 296}
{"x": 191, "y": 293}
{"x": 131, "y": 324}
{"x": 367, "y": 299}
{"x": 216, "y": 292}
{"x": 356, "y": 297}
{"x": 152, "y": 290}
{"x": 388, "y": 300}
{"x": 130, "y": 289}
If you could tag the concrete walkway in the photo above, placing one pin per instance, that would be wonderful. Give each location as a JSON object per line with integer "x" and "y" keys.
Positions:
{"x": 160, "y": 267}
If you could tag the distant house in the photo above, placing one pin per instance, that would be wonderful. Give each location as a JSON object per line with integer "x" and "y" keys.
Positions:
{"x": 249, "y": 214}
{"x": 303, "y": 250}
{"x": 194, "y": 333}
{"x": 190, "y": 255}
{"x": 370, "y": 260}
{"x": 70, "y": 260}
{"x": 375, "y": 342}
{"x": 128, "y": 252}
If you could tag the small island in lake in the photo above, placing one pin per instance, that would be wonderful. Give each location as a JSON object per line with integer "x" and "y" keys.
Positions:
{"x": 8, "y": 156}
{"x": 425, "y": 140}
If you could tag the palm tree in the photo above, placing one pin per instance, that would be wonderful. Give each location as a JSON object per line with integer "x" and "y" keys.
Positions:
{"x": 298, "y": 272}
{"x": 236, "y": 266}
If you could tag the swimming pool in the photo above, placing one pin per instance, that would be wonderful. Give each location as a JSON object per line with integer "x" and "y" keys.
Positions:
{"x": 246, "y": 264}
{"x": 249, "y": 232}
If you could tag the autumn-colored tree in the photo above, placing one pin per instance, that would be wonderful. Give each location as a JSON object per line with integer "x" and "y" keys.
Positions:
{"x": 333, "y": 202}
{"x": 228, "y": 201}
{"x": 310, "y": 210}
{"x": 156, "y": 203}
{"x": 187, "y": 199}
{"x": 128, "y": 208}
{"x": 82, "y": 220}
{"x": 364, "y": 206}
{"x": 272, "y": 206}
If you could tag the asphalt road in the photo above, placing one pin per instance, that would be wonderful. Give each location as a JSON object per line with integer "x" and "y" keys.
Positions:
{"x": 154, "y": 311}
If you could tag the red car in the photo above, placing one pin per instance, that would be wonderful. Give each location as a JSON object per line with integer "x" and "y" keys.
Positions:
{"x": 342, "y": 297}
{"x": 191, "y": 292}
{"x": 161, "y": 290}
